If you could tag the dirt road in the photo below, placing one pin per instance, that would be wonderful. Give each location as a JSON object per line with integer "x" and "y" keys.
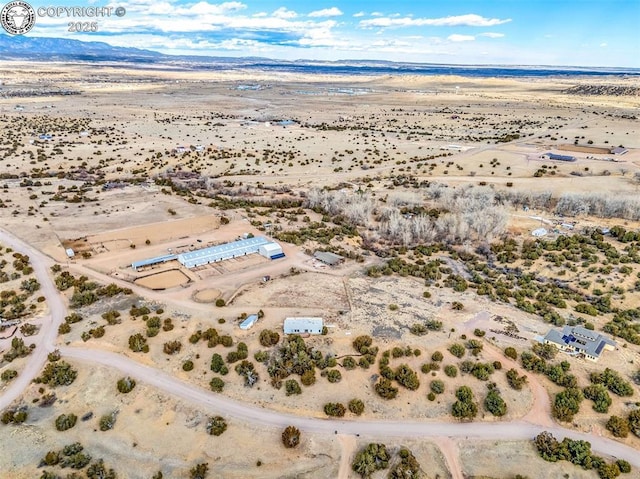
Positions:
{"x": 218, "y": 404}
{"x": 46, "y": 338}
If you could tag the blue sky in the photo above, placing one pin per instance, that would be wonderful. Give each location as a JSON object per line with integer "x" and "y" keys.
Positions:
{"x": 521, "y": 32}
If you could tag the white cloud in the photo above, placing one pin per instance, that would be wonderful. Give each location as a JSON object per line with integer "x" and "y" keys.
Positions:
{"x": 470, "y": 20}
{"x": 492, "y": 35}
{"x": 327, "y": 12}
{"x": 359, "y": 14}
{"x": 204, "y": 8}
{"x": 603, "y": 45}
{"x": 282, "y": 12}
{"x": 460, "y": 38}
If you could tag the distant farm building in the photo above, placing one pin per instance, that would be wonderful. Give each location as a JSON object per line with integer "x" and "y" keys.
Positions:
{"x": 618, "y": 150}
{"x": 555, "y": 156}
{"x": 214, "y": 254}
{"x": 580, "y": 341}
{"x": 539, "y": 232}
{"x": 249, "y": 322}
{"x": 326, "y": 257}
{"x": 70, "y": 252}
{"x": 303, "y": 326}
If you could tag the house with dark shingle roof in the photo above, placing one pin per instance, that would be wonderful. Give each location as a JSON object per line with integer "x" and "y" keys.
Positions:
{"x": 580, "y": 341}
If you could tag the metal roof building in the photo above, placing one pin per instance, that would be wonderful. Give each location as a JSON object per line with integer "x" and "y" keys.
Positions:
{"x": 221, "y": 252}
{"x": 149, "y": 261}
{"x": 213, "y": 254}
{"x": 579, "y": 340}
{"x": 303, "y": 326}
{"x": 271, "y": 251}
{"x": 326, "y": 257}
{"x": 249, "y": 322}
{"x": 555, "y": 156}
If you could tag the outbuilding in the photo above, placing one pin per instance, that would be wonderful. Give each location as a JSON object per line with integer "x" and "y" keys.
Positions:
{"x": 539, "y": 232}
{"x": 271, "y": 251}
{"x": 249, "y": 322}
{"x": 326, "y": 257}
{"x": 303, "y": 326}
{"x": 70, "y": 252}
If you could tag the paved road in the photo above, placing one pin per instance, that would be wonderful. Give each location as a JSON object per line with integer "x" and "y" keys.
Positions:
{"x": 379, "y": 430}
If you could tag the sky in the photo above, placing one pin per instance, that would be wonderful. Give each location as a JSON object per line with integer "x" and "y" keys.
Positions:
{"x": 602, "y": 33}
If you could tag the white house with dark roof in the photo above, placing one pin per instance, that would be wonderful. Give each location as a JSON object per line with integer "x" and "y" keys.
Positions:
{"x": 580, "y": 341}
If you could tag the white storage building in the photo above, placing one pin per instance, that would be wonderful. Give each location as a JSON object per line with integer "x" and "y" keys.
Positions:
{"x": 303, "y": 326}
{"x": 271, "y": 251}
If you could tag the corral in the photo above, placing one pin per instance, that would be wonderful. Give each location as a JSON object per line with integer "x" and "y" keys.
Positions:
{"x": 163, "y": 279}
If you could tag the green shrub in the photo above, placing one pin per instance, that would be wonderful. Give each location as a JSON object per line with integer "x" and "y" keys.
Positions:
{"x": 8, "y": 374}
{"x": 600, "y": 397}
{"x": 494, "y": 403}
{"x": 59, "y": 373}
{"x": 292, "y": 387}
{"x": 138, "y": 343}
{"x": 464, "y": 407}
{"x": 334, "y": 409}
{"x": 216, "y": 385}
{"x": 308, "y": 377}
{"x": 567, "y": 404}
{"x": 457, "y": 350}
{"x": 618, "y": 426}
{"x": 290, "y": 437}
{"x": 451, "y": 371}
{"x": 126, "y": 385}
{"x": 612, "y": 380}
{"x": 515, "y": 380}
{"x": 66, "y": 421}
{"x": 385, "y": 389}
{"x": 511, "y": 353}
{"x": 269, "y": 338}
{"x": 334, "y": 376}
{"x": 437, "y": 386}
{"x": 418, "y": 329}
{"x": 349, "y": 363}
{"x": 372, "y": 458}
{"x": 356, "y": 406}
{"x": 216, "y": 426}
{"x": 108, "y": 421}
{"x": 407, "y": 377}
{"x": 187, "y": 365}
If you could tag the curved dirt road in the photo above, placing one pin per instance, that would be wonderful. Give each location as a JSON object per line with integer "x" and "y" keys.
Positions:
{"x": 515, "y": 430}
{"x": 46, "y": 339}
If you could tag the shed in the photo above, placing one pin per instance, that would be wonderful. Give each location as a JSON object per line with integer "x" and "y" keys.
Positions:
{"x": 539, "y": 232}
{"x": 555, "y": 156}
{"x": 271, "y": 251}
{"x": 618, "y": 150}
{"x": 326, "y": 257}
{"x": 303, "y": 325}
{"x": 70, "y": 252}
{"x": 249, "y": 322}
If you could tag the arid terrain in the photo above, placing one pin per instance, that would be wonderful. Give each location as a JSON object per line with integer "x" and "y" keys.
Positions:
{"x": 472, "y": 215}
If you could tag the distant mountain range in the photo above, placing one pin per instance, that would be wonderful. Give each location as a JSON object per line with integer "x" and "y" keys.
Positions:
{"x": 62, "y": 49}
{"x": 55, "y": 49}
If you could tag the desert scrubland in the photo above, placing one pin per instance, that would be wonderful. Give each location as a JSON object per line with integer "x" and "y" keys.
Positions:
{"x": 430, "y": 188}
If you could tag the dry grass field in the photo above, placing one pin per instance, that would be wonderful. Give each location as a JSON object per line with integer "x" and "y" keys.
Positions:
{"x": 430, "y": 187}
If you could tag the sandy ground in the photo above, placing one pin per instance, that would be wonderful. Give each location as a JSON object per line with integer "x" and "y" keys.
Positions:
{"x": 394, "y": 127}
